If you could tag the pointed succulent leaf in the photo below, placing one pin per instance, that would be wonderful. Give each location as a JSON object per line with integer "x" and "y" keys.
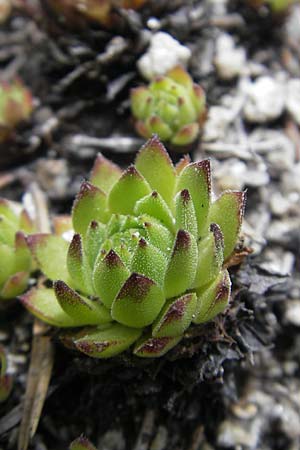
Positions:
{"x": 186, "y": 135}
{"x": 176, "y": 316}
{"x": 185, "y": 213}
{"x": 50, "y": 253}
{"x": 154, "y": 347}
{"x": 104, "y": 174}
{"x": 108, "y": 342}
{"x": 182, "y": 163}
{"x": 14, "y": 285}
{"x": 182, "y": 265}
{"x": 228, "y": 211}
{"x": 138, "y": 302}
{"x": 158, "y": 235}
{"x": 127, "y": 191}
{"x": 26, "y": 223}
{"x": 141, "y": 102}
{"x": 7, "y": 231}
{"x": 213, "y": 298}
{"x": 210, "y": 250}
{"x": 81, "y": 309}
{"x": 154, "y": 163}
{"x": 198, "y": 99}
{"x": 110, "y": 273}
{"x": 155, "y": 206}
{"x": 90, "y": 204}
{"x": 22, "y": 253}
{"x": 155, "y": 125}
{"x": 43, "y": 303}
{"x": 7, "y": 255}
{"x": 197, "y": 179}
{"x": 62, "y": 225}
{"x": 82, "y": 443}
{"x": 94, "y": 238}
{"x": 7, "y": 210}
{"x": 149, "y": 261}
{"x": 180, "y": 75}
{"x": 78, "y": 266}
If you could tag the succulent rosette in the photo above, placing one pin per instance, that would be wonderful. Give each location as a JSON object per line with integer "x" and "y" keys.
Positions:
{"x": 276, "y": 6}
{"x": 146, "y": 259}
{"x": 77, "y": 12}
{"x": 16, "y": 261}
{"x": 172, "y": 106}
{"x": 16, "y": 106}
{"x": 82, "y": 443}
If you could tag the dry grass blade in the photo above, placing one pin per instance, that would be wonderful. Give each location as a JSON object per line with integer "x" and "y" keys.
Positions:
{"x": 42, "y": 353}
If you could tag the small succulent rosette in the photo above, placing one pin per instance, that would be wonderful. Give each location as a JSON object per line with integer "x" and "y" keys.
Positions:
{"x": 81, "y": 12}
{"x": 276, "y": 6}
{"x": 16, "y": 261}
{"x": 6, "y": 380}
{"x": 146, "y": 259}
{"x": 82, "y": 443}
{"x": 16, "y": 106}
{"x": 172, "y": 106}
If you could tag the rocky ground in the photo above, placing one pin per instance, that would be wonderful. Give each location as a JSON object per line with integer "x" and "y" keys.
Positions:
{"x": 238, "y": 385}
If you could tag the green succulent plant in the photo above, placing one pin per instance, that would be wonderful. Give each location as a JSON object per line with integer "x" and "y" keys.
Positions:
{"x": 16, "y": 105}
{"x": 172, "y": 106}
{"x": 277, "y": 6}
{"x": 78, "y": 13}
{"x": 82, "y": 443}
{"x": 16, "y": 260}
{"x": 146, "y": 259}
{"x": 6, "y": 380}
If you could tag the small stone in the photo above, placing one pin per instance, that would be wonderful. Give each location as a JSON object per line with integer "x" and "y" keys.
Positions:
{"x": 229, "y": 60}
{"x": 216, "y": 125}
{"x": 278, "y": 261}
{"x": 231, "y": 433}
{"x": 292, "y": 312}
{"x": 112, "y": 440}
{"x": 163, "y": 54}
{"x": 244, "y": 410}
{"x": 280, "y": 204}
{"x": 265, "y": 100}
{"x": 293, "y": 99}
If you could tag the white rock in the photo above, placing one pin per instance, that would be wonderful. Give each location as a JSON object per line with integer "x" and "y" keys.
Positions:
{"x": 265, "y": 99}
{"x": 292, "y": 313}
{"x": 293, "y": 99}
{"x": 163, "y": 54}
{"x": 291, "y": 180}
{"x": 216, "y": 125}
{"x": 280, "y": 205}
{"x": 236, "y": 174}
{"x": 229, "y": 60}
{"x": 278, "y": 261}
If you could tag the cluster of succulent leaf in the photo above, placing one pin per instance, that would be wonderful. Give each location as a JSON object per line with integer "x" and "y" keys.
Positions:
{"x": 5, "y": 379}
{"x": 146, "y": 258}
{"x": 75, "y": 12}
{"x": 172, "y": 106}
{"x": 15, "y": 256}
{"x": 277, "y": 6}
{"x": 82, "y": 443}
{"x": 15, "y": 106}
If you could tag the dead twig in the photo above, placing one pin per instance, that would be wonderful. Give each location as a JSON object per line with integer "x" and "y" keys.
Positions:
{"x": 42, "y": 353}
{"x": 146, "y": 432}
